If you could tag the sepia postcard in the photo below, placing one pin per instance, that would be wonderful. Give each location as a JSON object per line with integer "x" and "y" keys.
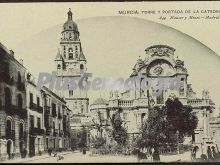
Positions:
{"x": 110, "y": 82}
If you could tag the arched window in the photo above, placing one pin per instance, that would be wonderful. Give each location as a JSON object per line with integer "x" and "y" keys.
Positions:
{"x": 8, "y": 130}
{"x": 81, "y": 66}
{"x": 70, "y": 53}
{"x": 7, "y": 98}
{"x": 58, "y": 66}
{"x": 9, "y": 125}
{"x": 21, "y": 131}
{"x": 70, "y": 36}
{"x": 19, "y": 98}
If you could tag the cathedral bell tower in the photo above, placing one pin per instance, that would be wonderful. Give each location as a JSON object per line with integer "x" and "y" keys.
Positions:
{"x": 71, "y": 62}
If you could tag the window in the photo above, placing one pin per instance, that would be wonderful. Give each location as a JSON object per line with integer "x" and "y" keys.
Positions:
{"x": 31, "y": 99}
{"x": 38, "y": 123}
{"x": 81, "y": 109}
{"x": 53, "y": 126}
{"x": 70, "y": 53}
{"x": 181, "y": 90}
{"x": 53, "y": 108}
{"x": 31, "y": 121}
{"x": 21, "y": 131}
{"x": 19, "y": 98}
{"x": 81, "y": 67}
{"x": 47, "y": 143}
{"x": 8, "y": 126}
{"x": 58, "y": 66}
{"x": 70, "y": 93}
{"x": 38, "y": 102}
{"x": 7, "y": 97}
{"x": 19, "y": 78}
{"x": 70, "y": 36}
{"x": 160, "y": 99}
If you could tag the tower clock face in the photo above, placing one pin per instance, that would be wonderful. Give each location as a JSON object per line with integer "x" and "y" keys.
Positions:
{"x": 161, "y": 69}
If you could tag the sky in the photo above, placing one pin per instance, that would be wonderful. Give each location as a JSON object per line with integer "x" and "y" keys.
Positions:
{"x": 32, "y": 30}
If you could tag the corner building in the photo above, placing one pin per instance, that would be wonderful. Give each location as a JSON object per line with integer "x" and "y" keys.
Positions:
{"x": 13, "y": 112}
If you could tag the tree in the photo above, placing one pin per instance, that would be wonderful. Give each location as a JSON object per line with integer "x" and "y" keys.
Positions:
{"x": 119, "y": 133}
{"x": 164, "y": 122}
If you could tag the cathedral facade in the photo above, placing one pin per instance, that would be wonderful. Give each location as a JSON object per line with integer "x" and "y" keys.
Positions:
{"x": 160, "y": 62}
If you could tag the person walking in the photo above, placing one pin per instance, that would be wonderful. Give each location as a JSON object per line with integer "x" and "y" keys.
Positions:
{"x": 156, "y": 155}
{"x": 215, "y": 154}
{"x": 209, "y": 154}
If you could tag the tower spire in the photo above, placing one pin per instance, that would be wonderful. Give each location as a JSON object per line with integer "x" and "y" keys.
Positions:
{"x": 70, "y": 14}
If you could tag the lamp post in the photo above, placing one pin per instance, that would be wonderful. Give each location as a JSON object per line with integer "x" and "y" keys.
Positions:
{"x": 178, "y": 148}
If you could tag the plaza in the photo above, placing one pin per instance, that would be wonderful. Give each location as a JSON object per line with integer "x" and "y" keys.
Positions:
{"x": 38, "y": 120}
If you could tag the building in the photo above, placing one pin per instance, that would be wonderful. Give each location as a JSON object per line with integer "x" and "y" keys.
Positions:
{"x": 56, "y": 121}
{"x": 13, "y": 112}
{"x": 101, "y": 116}
{"x": 34, "y": 104}
{"x": 71, "y": 63}
{"x": 215, "y": 129}
{"x": 160, "y": 62}
{"x": 31, "y": 119}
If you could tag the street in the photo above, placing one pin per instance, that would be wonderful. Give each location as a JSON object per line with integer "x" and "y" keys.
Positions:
{"x": 78, "y": 157}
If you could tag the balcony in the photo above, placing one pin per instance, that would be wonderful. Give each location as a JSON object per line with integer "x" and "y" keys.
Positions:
{"x": 55, "y": 132}
{"x": 36, "y": 108}
{"x": 36, "y": 131}
{"x": 22, "y": 135}
{"x": 199, "y": 102}
{"x": 54, "y": 113}
{"x": 47, "y": 110}
{"x": 66, "y": 133}
{"x": 125, "y": 103}
{"x": 7, "y": 78}
{"x": 48, "y": 121}
{"x": 21, "y": 86}
{"x": 14, "y": 110}
{"x": 61, "y": 133}
{"x": 10, "y": 134}
{"x": 60, "y": 116}
{"x": 48, "y": 131}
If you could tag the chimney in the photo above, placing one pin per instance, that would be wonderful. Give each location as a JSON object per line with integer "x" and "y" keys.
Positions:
{"x": 12, "y": 53}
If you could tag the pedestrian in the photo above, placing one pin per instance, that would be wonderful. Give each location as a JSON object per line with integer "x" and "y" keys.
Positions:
{"x": 209, "y": 154}
{"x": 214, "y": 154}
{"x": 151, "y": 151}
{"x": 218, "y": 153}
{"x": 203, "y": 158}
{"x": 49, "y": 151}
{"x": 156, "y": 155}
{"x": 140, "y": 155}
{"x": 193, "y": 154}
